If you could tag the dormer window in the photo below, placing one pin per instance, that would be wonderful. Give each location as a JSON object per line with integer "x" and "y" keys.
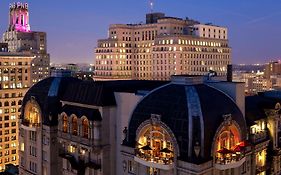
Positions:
{"x": 32, "y": 113}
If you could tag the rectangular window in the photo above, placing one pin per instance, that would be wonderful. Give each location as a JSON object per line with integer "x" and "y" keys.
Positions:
{"x": 33, "y": 166}
{"x": 32, "y": 135}
{"x": 131, "y": 167}
{"x": 33, "y": 151}
{"x": 45, "y": 156}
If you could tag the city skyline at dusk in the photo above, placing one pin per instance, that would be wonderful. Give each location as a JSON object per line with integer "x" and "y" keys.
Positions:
{"x": 74, "y": 28}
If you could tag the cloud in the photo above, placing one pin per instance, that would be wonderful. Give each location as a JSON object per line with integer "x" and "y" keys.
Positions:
{"x": 256, "y": 20}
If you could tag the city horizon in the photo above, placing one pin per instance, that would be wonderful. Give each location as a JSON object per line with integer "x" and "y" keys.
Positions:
{"x": 245, "y": 27}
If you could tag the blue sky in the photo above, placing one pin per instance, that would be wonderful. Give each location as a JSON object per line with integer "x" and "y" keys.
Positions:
{"x": 73, "y": 27}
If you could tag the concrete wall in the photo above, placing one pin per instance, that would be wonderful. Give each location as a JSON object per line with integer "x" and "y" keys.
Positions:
{"x": 126, "y": 103}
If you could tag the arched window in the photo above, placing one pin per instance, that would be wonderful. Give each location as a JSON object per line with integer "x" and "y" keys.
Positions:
{"x": 85, "y": 126}
{"x": 64, "y": 124}
{"x": 228, "y": 137}
{"x": 155, "y": 141}
{"x": 229, "y": 147}
{"x": 0, "y": 104}
{"x": 74, "y": 126}
{"x": 19, "y": 102}
{"x": 32, "y": 113}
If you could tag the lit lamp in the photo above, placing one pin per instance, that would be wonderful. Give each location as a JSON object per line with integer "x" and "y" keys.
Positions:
{"x": 197, "y": 149}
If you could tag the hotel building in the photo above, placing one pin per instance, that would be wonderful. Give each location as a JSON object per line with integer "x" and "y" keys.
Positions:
{"x": 139, "y": 127}
{"x": 24, "y": 61}
{"x": 162, "y": 47}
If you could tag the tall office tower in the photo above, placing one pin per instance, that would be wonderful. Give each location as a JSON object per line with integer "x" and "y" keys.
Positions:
{"x": 162, "y": 47}
{"x": 15, "y": 78}
{"x": 21, "y": 39}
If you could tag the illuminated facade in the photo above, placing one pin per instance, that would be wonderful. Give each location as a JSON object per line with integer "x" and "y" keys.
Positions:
{"x": 254, "y": 81}
{"x": 272, "y": 68}
{"x": 21, "y": 39}
{"x": 162, "y": 47}
{"x": 62, "y": 132}
{"x": 69, "y": 126}
{"x": 15, "y": 79}
{"x": 182, "y": 133}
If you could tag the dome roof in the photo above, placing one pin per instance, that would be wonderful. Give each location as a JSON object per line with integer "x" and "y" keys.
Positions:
{"x": 192, "y": 112}
{"x": 47, "y": 93}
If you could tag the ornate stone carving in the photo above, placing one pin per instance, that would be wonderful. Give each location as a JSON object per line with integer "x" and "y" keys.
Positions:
{"x": 155, "y": 119}
{"x": 227, "y": 119}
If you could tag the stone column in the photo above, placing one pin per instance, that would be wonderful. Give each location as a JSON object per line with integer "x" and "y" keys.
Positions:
{"x": 96, "y": 130}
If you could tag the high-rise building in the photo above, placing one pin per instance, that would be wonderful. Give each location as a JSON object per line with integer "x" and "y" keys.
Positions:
{"x": 24, "y": 61}
{"x": 20, "y": 38}
{"x": 15, "y": 78}
{"x": 162, "y": 47}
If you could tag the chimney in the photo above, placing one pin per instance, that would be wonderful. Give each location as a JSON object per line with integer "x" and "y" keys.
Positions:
{"x": 229, "y": 73}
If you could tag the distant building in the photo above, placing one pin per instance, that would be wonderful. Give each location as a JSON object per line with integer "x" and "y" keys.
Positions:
{"x": 254, "y": 81}
{"x": 20, "y": 38}
{"x": 77, "y": 72}
{"x": 161, "y": 47}
{"x": 272, "y": 68}
{"x": 258, "y": 84}
{"x": 61, "y": 73}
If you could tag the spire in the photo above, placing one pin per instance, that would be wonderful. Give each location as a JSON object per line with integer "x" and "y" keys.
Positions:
{"x": 151, "y": 5}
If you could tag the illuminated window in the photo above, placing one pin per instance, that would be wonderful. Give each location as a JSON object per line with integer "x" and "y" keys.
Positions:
{"x": 65, "y": 124}
{"x": 155, "y": 144}
{"x": 74, "y": 126}
{"x": 261, "y": 158}
{"x": 32, "y": 113}
{"x": 72, "y": 149}
{"x": 228, "y": 148}
{"x": 85, "y": 126}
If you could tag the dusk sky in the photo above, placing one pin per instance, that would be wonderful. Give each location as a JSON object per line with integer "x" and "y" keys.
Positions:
{"x": 73, "y": 27}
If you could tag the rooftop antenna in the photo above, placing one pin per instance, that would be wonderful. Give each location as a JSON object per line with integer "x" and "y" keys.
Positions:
{"x": 151, "y": 5}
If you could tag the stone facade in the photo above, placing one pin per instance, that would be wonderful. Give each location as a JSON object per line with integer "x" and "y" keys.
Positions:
{"x": 162, "y": 47}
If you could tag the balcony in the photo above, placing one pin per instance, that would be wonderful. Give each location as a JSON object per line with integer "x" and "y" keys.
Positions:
{"x": 153, "y": 163}
{"x": 80, "y": 162}
{"x": 231, "y": 158}
{"x": 229, "y": 163}
{"x": 27, "y": 125}
{"x": 161, "y": 162}
{"x": 258, "y": 137}
{"x": 78, "y": 139}
{"x": 260, "y": 169}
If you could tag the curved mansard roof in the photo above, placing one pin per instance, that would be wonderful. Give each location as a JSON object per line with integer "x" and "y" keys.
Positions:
{"x": 192, "y": 112}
